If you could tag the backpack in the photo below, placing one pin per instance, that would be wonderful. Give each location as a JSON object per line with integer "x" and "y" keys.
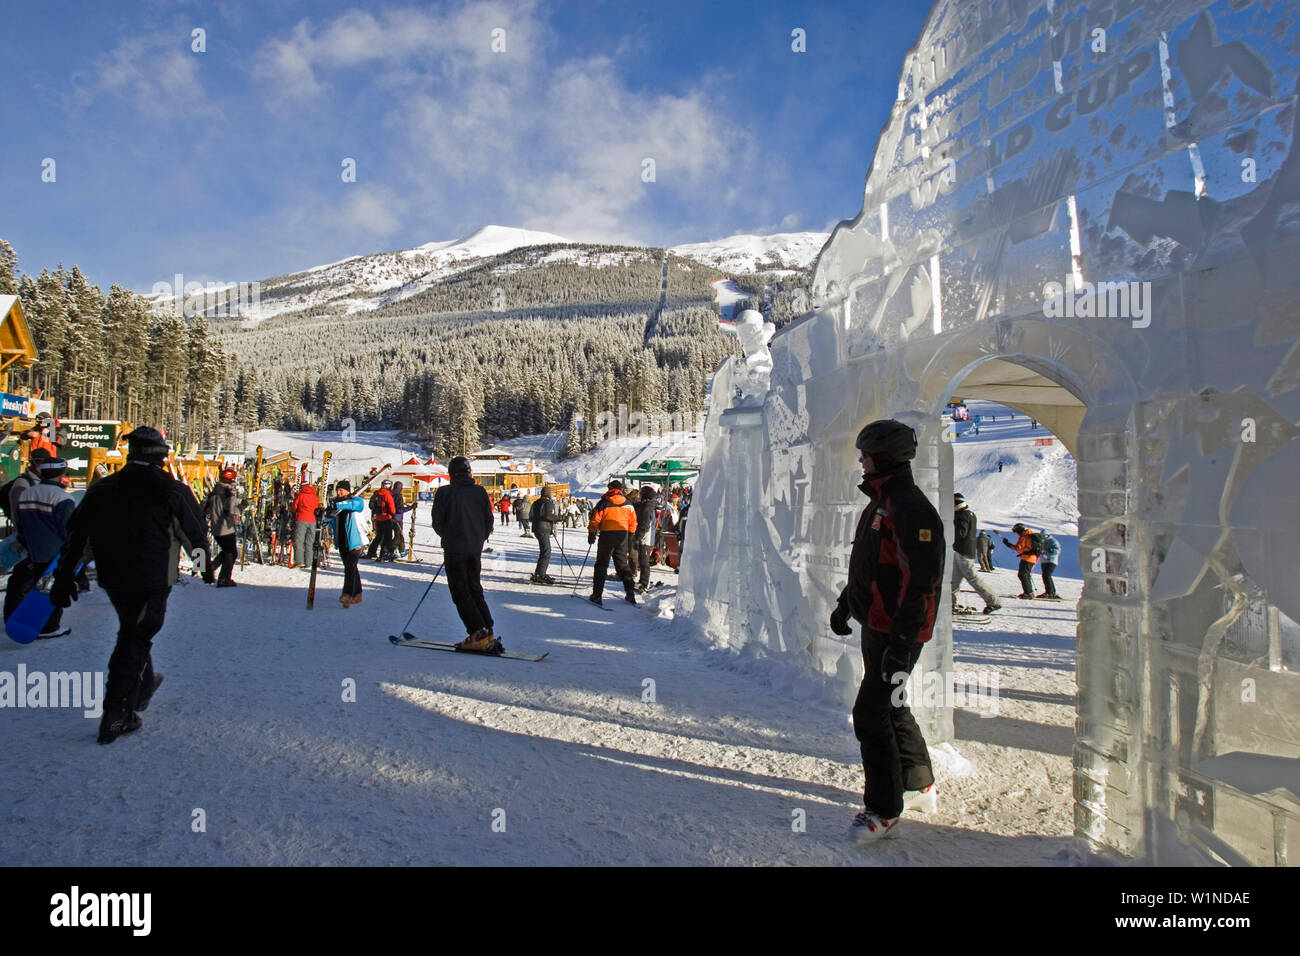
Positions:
{"x": 376, "y": 504}
{"x": 1036, "y": 541}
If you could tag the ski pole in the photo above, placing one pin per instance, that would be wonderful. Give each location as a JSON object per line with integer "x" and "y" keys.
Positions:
{"x": 584, "y": 565}
{"x": 407, "y": 626}
{"x": 564, "y": 557}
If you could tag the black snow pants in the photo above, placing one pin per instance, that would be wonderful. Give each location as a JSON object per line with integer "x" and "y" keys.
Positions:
{"x": 612, "y": 544}
{"x": 894, "y": 755}
{"x": 140, "y": 616}
{"x": 1026, "y": 574}
{"x": 466, "y": 592}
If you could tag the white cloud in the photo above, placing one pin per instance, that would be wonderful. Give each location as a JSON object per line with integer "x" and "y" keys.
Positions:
{"x": 555, "y": 143}
{"x": 157, "y": 73}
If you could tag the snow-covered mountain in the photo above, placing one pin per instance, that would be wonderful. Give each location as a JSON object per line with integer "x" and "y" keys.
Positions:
{"x": 366, "y": 282}
{"x": 777, "y": 252}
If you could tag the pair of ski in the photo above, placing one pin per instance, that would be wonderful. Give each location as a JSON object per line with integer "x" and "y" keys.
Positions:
{"x": 316, "y": 550}
{"x": 410, "y": 640}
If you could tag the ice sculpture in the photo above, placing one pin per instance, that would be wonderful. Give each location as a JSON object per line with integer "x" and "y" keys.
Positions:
{"x": 754, "y": 334}
{"x": 1089, "y": 211}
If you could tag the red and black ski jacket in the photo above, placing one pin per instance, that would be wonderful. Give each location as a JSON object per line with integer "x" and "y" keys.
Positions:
{"x": 896, "y": 566}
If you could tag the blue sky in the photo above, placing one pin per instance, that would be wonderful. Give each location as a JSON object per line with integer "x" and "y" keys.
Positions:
{"x": 226, "y": 164}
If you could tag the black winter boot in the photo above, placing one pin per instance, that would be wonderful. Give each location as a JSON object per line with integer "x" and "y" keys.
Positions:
{"x": 115, "y": 723}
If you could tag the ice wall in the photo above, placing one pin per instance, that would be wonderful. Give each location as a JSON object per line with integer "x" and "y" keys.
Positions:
{"x": 1036, "y": 151}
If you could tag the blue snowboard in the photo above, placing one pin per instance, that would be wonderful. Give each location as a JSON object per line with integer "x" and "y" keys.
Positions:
{"x": 30, "y": 616}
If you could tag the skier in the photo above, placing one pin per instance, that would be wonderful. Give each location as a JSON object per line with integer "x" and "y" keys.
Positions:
{"x": 135, "y": 521}
{"x": 614, "y": 520}
{"x": 963, "y": 563}
{"x": 542, "y": 517}
{"x": 221, "y": 508}
{"x": 42, "y": 523}
{"x": 382, "y": 512}
{"x": 305, "y": 506}
{"x": 1051, "y": 554}
{"x": 521, "y": 513}
{"x": 895, "y": 577}
{"x": 984, "y": 548}
{"x": 399, "y": 514}
{"x": 462, "y": 518}
{"x": 645, "y": 523}
{"x": 348, "y": 536}
{"x": 1024, "y": 547}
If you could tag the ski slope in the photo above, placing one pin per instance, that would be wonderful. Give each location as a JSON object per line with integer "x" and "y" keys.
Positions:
{"x": 580, "y": 760}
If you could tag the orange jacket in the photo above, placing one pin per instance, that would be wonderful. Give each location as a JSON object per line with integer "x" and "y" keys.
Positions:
{"x": 613, "y": 513}
{"x": 1023, "y": 546}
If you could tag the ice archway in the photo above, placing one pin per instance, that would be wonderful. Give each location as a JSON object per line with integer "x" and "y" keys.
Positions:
{"x": 1037, "y": 150}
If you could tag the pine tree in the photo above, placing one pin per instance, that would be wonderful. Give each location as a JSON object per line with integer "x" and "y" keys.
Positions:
{"x": 8, "y": 269}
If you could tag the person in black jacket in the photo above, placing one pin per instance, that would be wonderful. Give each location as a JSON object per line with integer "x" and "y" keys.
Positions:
{"x": 644, "y": 538}
{"x": 542, "y": 517}
{"x": 462, "y": 517}
{"x": 895, "y": 577}
{"x": 135, "y": 522}
{"x": 963, "y": 564}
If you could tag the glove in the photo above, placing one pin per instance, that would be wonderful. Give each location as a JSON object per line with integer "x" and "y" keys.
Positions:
{"x": 840, "y": 621}
{"x": 591, "y": 538}
{"x": 63, "y": 593}
{"x": 1008, "y": 543}
{"x": 894, "y": 660}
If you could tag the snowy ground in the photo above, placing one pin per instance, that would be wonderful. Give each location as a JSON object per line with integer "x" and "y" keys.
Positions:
{"x": 252, "y": 728}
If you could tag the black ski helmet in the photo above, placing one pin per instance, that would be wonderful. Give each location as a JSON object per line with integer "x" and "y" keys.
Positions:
{"x": 887, "y": 441}
{"x": 958, "y": 498}
{"x": 615, "y": 485}
{"x": 459, "y": 466}
{"x": 147, "y": 443}
{"x": 53, "y": 468}
{"x": 1018, "y": 528}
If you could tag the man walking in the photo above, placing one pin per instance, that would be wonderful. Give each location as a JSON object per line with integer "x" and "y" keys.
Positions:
{"x": 1051, "y": 555}
{"x": 895, "y": 576}
{"x": 984, "y": 548}
{"x": 221, "y": 508}
{"x": 614, "y": 521}
{"x": 462, "y": 518}
{"x": 963, "y": 564}
{"x": 135, "y": 521}
{"x": 542, "y": 517}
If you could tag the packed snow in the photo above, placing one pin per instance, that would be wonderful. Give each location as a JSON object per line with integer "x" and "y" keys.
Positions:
{"x": 745, "y": 253}
{"x": 635, "y": 742}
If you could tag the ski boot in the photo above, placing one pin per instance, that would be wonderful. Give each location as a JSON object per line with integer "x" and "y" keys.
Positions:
{"x": 869, "y": 826}
{"x": 990, "y": 608}
{"x": 630, "y": 597}
{"x": 117, "y": 723}
{"x": 482, "y": 641}
{"x": 596, "y": 600}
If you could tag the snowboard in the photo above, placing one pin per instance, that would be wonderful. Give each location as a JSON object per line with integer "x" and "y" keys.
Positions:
{"x": 410, "y": 640}
{"x": 25, "y": 624}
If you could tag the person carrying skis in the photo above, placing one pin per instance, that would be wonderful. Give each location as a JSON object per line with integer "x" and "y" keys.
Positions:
{"x": 462, "y": 518}
{"x": 895, "y": 577}
{"x": 1051, "y": 555}
{"x": 347, "y": 535}
{"x": 1024, "y": 547}
{"x": 963, "y": 563}
{"x": 984, "y": 549}
{"x": 136, "y": 522}
{"x": 542, "y": 517}
{"x": 221, "y": 508}
{"x": 305, "y": 505}
{"x": 644, "y": 539}
{"x": 42, "y": 523}
{"x": 614, "y": 521}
